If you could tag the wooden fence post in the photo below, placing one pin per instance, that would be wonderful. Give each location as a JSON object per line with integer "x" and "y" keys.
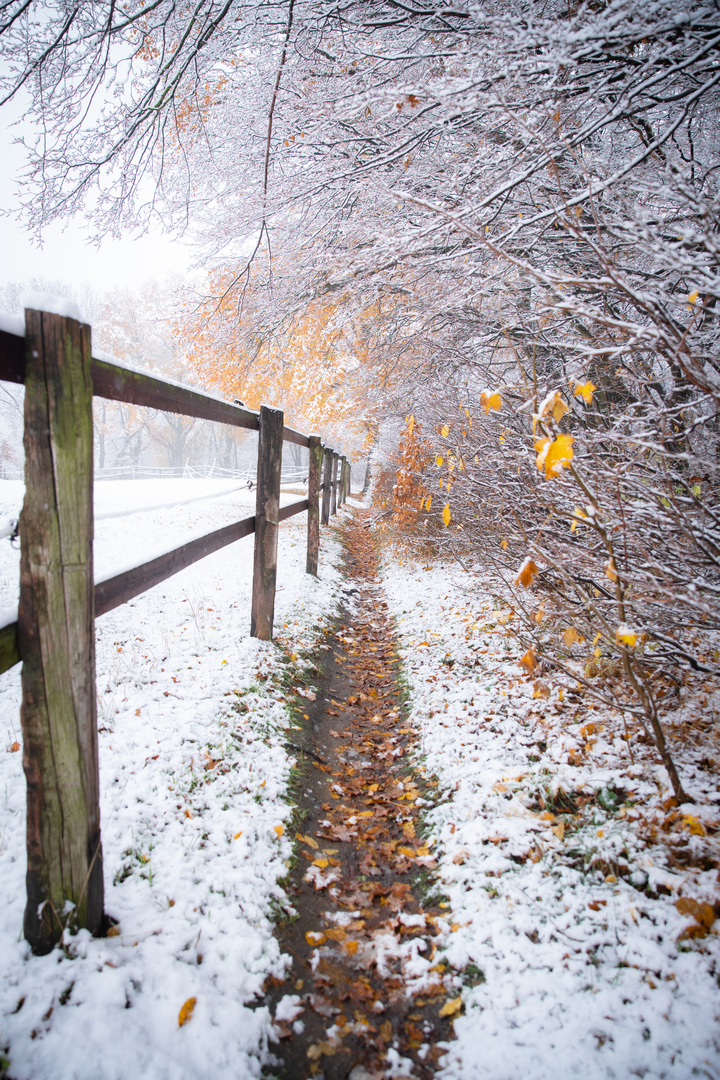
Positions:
{"x": 348, "y": 474}
{"x": 343, "y": 467}
{"x": 313, "y": 522}
{"x": 56, "y": 633}
{"x": 333, "y": 484}
{"x": 267, "y": 507}
{"x": 327, "y": 483}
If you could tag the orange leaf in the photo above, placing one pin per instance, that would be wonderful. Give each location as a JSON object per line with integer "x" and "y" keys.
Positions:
{"x": 14, "y": 748}
{"x": 186, "y": 1012}
{"x": 527, "y": 574}
{"x": 529, "y": 661}
{"x": 315, "y": 937}
{"x": 279, "y": 830}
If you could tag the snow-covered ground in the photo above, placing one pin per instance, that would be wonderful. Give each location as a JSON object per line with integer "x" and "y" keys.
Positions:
{"x": 194, "y": 794}
{"x": 578, "y": 962}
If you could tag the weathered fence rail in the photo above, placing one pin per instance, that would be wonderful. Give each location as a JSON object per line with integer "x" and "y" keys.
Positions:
{"x": 59, "y": 600}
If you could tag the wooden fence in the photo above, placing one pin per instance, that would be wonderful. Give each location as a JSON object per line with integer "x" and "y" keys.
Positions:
{"x": 54, "y": 636}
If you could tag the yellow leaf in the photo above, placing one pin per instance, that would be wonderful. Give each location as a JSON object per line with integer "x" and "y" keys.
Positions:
{"x": 438, "y": 461}
{"x": 555, "y": 405}
{"x": 351, "y": 946}
{"x": 626, "y": 636}
{"x": 571, "y": 637}
{"x": 698, "y": 909}
{"x": 322, "y": 863}
{"x": 407, "y": 851}
{"x": 237, "y": 835}
{"x": 611, "y": 569}
{"x": 490, "y": 401}
{"x": 428, "y": 502}
{"x": 584, "y": 390}
{"x": 186, "y": 1012}
{"x": 504, "y": 545}
{"x": 538, "y": 616}
{"x": 279, "y": 830}
{"x": 410, "y": 424}
{"x": 541, "y": 689}
{"x": 559, "y": 830}
{"x": 693, "y": 296}
{"x": 451, "y": 1007}
{"x": 693, "y": 825}
{"x": 527, "y": 574}
{"x": 579, "y": 513}
{"x": 263, "y": 783}
{"x": 444, "y": 431}
{"x": 554, "y": 455}
{"x": 308, "y": 840}
{"x": 446, "y": 514}
{"x": 315, "y": 937}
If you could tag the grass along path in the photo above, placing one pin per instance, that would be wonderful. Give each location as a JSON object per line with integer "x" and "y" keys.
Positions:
{"x": 366, "y": 996}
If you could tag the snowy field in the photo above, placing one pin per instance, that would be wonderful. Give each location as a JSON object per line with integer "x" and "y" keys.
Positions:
{"x": 564, "y": 912}
{"x": 194, "y": 794}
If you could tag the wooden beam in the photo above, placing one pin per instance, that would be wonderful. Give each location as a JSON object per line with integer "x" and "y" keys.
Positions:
{"x": 326, "y": 485}
{"x": 117, "y": 383}
{"x": 313, "y": 522}
{"x": 117, "y": 590}
{"x": 9, "y": 647}
{"x": 57, "y": 635}
{"x": 298, "y": 507}
{"x": 12, "y": 357}
{"x": 135, "y": 387}
{"x": 267, "y": 509}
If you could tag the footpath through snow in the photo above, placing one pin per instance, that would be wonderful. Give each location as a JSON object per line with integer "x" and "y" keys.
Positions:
{"x": 570, "y": 926}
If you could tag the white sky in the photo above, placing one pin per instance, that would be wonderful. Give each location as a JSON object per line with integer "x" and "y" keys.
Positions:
{"x": 66, "y": 254}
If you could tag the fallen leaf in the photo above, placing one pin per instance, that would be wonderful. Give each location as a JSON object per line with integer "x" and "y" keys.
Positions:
{"x": 559, "y": 830}
{"x": 14, "y": 748}
{"x": 237, "y": 835}
{"x": 309, "y": 694}
{"x": 315, "y": 937}
{"x": 529, "y": 661}
{"x": 571, "y": 637}
{"x": 186, "y": 1012}
{"x": 322, "y": 863}
{"x": 451, "y": 1007}
{"x": 279, "y": 829}
{"x": 308, "y": 840}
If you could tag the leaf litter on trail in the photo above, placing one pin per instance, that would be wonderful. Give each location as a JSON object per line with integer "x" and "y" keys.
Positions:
{"x": 364, "y": 946}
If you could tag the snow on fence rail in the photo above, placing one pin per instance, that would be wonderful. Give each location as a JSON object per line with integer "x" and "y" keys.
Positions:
{"x": 59, "y": 599}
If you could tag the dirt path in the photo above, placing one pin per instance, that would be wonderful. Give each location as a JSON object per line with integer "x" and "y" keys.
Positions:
{"x": 370, "y": 992}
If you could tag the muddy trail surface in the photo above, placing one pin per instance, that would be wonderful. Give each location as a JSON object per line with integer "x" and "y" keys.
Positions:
{"x": 371, "y": 999}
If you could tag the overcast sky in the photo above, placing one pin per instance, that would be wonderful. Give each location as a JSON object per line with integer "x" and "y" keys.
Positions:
{"x": 66, "y": 253}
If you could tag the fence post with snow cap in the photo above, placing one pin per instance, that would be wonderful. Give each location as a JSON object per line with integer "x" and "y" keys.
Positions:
{"x": 315, "y": 451}
{"x": 267, "y": 503}
{"x": 56, "y": 634}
